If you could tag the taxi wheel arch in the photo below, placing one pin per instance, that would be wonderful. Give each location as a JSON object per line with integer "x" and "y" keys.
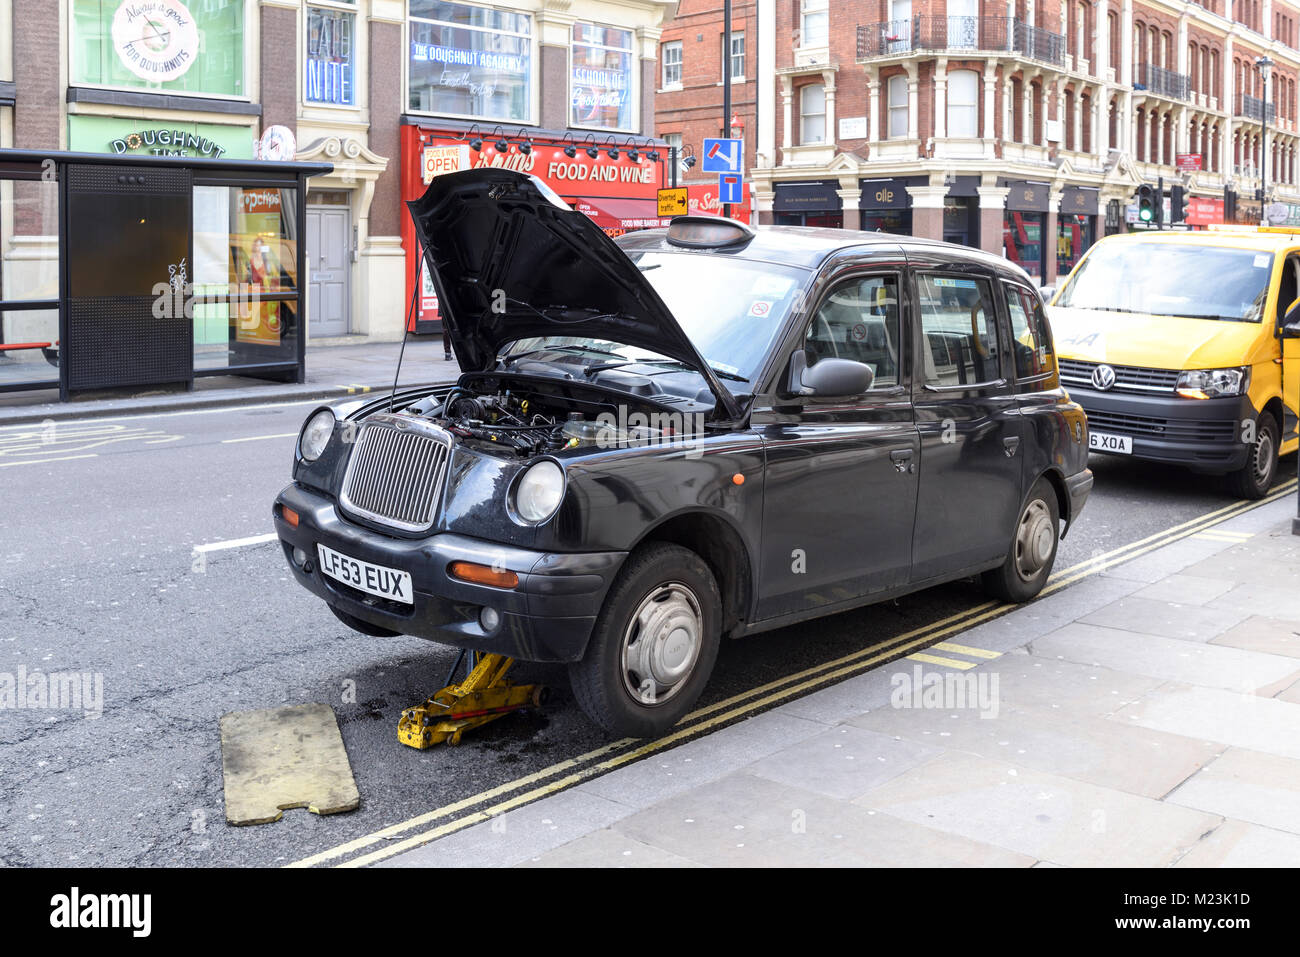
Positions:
{"x": 656, "y": 575}
{"x": 723, "y": 550}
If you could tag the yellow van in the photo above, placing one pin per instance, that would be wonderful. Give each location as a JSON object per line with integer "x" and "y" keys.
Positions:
{"x": 1180, "y": 348}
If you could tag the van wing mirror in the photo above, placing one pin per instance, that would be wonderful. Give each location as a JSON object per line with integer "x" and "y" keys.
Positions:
{"x": 1291, "y": 321}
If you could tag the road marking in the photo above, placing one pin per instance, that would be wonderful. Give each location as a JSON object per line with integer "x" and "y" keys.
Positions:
{"x": 581, "y": 768}
{"x": 58, "y": 458}
{"x": 61, "y": 423}
{"x": 356, "y": 389}
{"x": 237, "y": 543}
{"x": 967, "y": 650}
{"x": 258, "y": 438}
{"x": 940, "y": 660}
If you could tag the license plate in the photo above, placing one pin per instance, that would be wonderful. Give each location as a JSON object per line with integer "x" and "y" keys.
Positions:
{"x": 373, "y": 579}
{"x": 1105, "y": 442}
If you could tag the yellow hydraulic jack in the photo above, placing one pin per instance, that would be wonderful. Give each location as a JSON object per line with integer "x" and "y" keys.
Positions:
{"x": 485, "y": 694}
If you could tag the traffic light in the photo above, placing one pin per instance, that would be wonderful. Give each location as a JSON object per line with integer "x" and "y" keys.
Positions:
{"x": 1149, "y": 204}
{"x": 1177, "y": 204}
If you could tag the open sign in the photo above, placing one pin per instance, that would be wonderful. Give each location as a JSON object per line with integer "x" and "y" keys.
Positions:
{"x": 436, "y": 160}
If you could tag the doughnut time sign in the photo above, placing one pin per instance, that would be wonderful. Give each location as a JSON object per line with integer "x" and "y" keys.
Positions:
{"x": 156, "y": 40}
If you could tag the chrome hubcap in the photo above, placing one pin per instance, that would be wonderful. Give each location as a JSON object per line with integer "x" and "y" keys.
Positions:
{"x": 662, "y": 643}
{"x": 1035, "y": 539}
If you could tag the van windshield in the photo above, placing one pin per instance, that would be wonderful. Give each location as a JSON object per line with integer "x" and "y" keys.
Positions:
{"x": 1171, "y": 279}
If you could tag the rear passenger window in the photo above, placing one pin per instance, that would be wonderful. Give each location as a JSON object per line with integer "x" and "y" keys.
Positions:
{"x": 859, "y": 321}
{"x": 959, "y": 330}
{"x": 1030, "y": 342}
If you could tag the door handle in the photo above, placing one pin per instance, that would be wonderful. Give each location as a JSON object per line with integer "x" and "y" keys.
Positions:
{"x": 1011, "y": 443}
{"x": 902, "y": 459}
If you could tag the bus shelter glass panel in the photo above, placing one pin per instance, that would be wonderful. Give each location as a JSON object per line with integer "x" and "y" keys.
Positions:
{"x": 245, "y": 290}
{"x": 29, "y": 277}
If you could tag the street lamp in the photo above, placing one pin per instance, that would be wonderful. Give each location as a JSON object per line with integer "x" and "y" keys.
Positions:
{"x": 1265, "y": 66}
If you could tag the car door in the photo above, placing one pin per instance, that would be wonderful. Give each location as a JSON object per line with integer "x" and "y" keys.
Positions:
{"x": 1288, "y": 292}
{"x": 841, "y": 477}
{"x": 968, "y": 421}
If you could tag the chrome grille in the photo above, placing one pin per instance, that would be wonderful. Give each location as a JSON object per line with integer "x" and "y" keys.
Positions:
{"x": 1127, "y": 378}
{"x": 396, "y": 475}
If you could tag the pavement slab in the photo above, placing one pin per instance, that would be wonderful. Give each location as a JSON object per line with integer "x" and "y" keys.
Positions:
{"x": 1214, "y": 714}
{"x": 1249, "y": 786}
{"x": 1273, "y": 636}
{"x": 1044, "y": 816}
{"x": 1174, "y": 659}
{"x": 1185, "y": 589}
{"x": 609, "y": 848}
{"x": 1239, "y": 844}
{"x": 1166, "y": 618}
{"x": 843, "y": 762}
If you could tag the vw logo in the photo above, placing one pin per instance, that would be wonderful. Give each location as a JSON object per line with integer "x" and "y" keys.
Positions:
{"x": 1103, "y": 377}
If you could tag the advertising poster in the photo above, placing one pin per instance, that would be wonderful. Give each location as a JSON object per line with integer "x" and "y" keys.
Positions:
{"x": 256, "y": 255}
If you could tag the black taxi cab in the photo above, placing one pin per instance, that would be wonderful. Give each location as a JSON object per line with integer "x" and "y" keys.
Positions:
{"x": 693, "y": 433}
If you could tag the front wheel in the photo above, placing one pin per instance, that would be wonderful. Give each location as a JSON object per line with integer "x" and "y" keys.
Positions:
{"x": 1255, "y": 478}
{"x": 1033, "y": 548}
{"x": 653, "y": 645}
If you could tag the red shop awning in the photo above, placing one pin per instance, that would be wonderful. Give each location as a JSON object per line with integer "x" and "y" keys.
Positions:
{"x": 619, "y": 213}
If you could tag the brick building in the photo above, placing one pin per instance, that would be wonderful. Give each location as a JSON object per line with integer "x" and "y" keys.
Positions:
{"x": 367, "y": 85}
{"x": 1012, "y": 125}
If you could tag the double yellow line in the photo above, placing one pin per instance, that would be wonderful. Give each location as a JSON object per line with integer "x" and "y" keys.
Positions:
{"x": 565, "y": 774}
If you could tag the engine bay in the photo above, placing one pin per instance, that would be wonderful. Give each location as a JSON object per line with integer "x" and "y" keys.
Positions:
{"x": 530, "y": 418}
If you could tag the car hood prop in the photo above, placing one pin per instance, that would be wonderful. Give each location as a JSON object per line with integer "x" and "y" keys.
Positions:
{"x": 510, "y": 260}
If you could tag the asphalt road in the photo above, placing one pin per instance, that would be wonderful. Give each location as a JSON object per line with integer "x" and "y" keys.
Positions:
{"x": 99, "y": 523}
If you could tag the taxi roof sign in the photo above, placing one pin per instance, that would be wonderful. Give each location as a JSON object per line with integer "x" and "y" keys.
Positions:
{"x": 673, "y": 201}
{"x": 706, "y": 232}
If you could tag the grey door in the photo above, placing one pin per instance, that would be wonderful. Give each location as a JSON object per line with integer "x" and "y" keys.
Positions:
{"x": 328, "y": 300}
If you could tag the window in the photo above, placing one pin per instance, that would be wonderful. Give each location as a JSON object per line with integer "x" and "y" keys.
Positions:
{"x": 859, "y": 321}
{"x": 737, "y": 56}
{"x": 814, "y": 23}
{"x": 329, "y": 57}
{"x": 812, "y": 114}
{"x": 470, "y": 61}
{"x": 29, "y": 290}
{"x": 117, "y": 44}
{"x": 963, "y": 103}
{"x": 897, "y": 100}
{"x": 673, "y": 63}
{"x": 960, "y": 334}
{"x": 1031, "y": 342}
{"x": 601, "y": 84}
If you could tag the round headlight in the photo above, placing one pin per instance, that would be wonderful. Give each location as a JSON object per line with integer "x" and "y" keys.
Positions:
{"x": 316, "y": 435}
{"x": 539, "y": 491}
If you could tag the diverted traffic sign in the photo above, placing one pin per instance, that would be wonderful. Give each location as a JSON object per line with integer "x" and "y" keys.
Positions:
{"x": 674, "y": 201}
{"x": 722, "y": 156}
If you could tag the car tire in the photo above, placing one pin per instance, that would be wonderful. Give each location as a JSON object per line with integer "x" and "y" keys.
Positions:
{"x": 653, "y": 645}
{"x": 1033, "y": 548}
{"x": 356, "y": 624}
{"x": 1255, "y": 478}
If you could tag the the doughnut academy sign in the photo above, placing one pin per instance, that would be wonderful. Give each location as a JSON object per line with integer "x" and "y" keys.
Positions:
{"x": 156, "y": 40}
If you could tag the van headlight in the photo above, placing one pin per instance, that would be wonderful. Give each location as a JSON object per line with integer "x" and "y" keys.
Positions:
{"x": 1212, "y": 383}
{"x": 315, "y": 435}
{"x": 539, "y": 491}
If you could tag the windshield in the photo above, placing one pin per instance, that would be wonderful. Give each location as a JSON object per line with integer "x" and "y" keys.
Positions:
{"x": 1171, "y": 279}
{"x": 731, "y": 309}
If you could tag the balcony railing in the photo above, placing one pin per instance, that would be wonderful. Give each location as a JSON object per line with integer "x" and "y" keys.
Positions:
{"x": 1156, "y": 79}
{"x": 1251, "y": 107}
{"x": 929, "y": 33}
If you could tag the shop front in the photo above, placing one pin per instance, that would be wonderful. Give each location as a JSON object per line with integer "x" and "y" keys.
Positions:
{"x": 886, "y": 206}
{"x": 617, "y": 187}
{"x": 1023, "y": 226}
{"x": 1075, "y": 227}
{"x": 125, "y": 136}
{"x": 815, "y": 203}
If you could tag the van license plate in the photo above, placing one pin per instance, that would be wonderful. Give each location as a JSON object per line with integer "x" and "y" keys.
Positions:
{"x": 373, "y": 579}
{"x": 1104, "y": 442}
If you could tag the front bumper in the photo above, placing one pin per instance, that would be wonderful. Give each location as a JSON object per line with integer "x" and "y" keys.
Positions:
{"x": 547, "y": 617}
{"x": 1204, "y": 434}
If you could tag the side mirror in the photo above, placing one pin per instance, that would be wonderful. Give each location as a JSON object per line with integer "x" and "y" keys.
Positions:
{"x": 1291, "y": 321}
{"x": 832, "y": 377}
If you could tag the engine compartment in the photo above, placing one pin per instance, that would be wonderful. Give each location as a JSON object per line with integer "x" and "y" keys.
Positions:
{"x": 528, "y": 418}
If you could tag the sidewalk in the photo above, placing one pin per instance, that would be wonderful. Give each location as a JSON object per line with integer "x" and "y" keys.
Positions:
{"x": 1146, "y": 716}
{"x": 333, "y": 371}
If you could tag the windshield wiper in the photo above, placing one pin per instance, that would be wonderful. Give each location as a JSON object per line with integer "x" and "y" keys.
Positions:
{"x": 592, "y": 370}
{"x": 724, "y": 374}
{"x": 569, "y": 350}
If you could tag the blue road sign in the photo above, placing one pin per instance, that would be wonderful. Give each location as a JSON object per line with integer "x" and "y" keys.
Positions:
{"x": 731, "y": 188}
{"x": 722, "y": 156}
